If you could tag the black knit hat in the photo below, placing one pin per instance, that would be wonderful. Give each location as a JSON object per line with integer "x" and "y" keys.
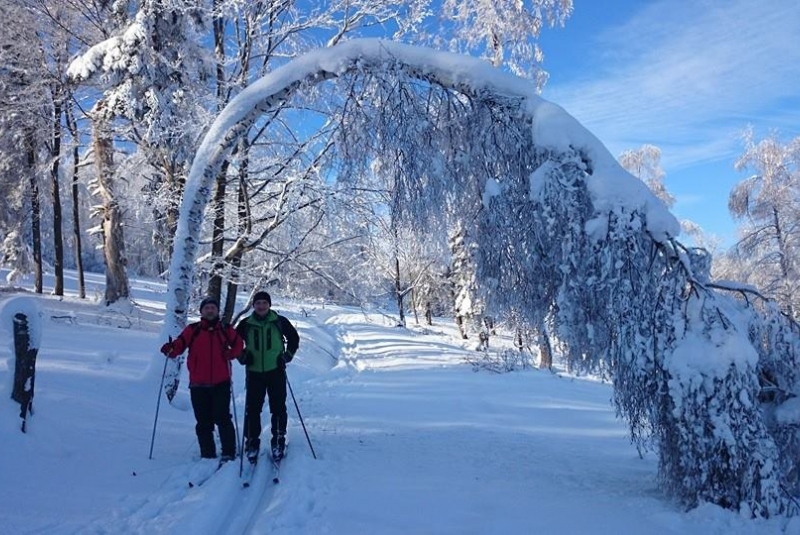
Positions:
{"x": 209, "y": 301}
{"x": 262, "y": 296}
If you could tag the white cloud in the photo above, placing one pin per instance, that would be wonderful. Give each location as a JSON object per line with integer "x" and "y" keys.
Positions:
{"x": 689, "y": 75}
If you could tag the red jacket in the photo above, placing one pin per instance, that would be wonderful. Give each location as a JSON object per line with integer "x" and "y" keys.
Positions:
{"x": 211, "y": 348}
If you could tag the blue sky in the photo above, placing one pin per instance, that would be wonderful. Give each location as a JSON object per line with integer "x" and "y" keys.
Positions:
{"x": 687, "y": 76}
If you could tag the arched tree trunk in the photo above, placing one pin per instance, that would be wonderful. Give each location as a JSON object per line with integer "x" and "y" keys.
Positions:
{"x": 276, "y": 88}
{"x": 557, "y": 148}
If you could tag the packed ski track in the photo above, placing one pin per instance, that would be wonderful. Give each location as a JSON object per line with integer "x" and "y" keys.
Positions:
{"x": 409, "y": 439}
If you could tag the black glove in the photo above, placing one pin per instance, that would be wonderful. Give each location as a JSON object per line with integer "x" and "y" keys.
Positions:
{"x": 246, "y": 358}
{"x": 167, "y": 348}
{"x": 283, "y": 358}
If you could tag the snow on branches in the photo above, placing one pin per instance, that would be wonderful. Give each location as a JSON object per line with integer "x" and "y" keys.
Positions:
{"x": 560, "y": 235}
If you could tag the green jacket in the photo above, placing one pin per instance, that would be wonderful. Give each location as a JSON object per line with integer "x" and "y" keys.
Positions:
{"x": 266, "y": 338}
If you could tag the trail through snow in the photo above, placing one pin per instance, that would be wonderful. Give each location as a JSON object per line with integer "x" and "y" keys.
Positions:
{"x": 409, "y": 440}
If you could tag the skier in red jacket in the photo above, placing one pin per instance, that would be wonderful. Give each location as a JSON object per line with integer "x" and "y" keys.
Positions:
{"x": 211, "y": 346}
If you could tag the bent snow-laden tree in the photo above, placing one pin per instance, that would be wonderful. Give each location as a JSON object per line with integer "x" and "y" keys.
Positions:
{"x": 562, "y": 237}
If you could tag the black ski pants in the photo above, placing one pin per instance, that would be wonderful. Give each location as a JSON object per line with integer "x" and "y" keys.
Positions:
{"x": 211, "y": 406}
{"x": 271, "y": 384}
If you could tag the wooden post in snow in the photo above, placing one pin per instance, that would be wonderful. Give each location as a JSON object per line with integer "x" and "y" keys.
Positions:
{"x": 23, "y": 316}
{"x": 25, "y": 368}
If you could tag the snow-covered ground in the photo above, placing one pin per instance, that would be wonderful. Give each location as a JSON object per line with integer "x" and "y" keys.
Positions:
{"x": 409, "y": 440}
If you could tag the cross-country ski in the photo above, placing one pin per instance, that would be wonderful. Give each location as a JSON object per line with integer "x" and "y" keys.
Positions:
{"x": 247, "y": 473}
{"x": 249, "y": 466}
{"x": 276, "y": 465}
{"x": 203, "y": 471}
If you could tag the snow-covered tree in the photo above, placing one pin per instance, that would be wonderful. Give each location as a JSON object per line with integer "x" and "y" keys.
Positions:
{"x": 164, "y": 59}
{"x": 645, "y": 164}
{"x": 151, "y": 71}
{"x": 563, "y": 236}
{"x": 768, "y": 206}
{"x": 505, "y": 31}
{"x": 56, "y": 41}
{"x": 15, "y": 253}
{"x": 42, "y": 37}
{"x": 23, "y": 91}
{"x": 715, "y": 444}
{"x": 462, "y": 279}
{"x": 109, "y": 211}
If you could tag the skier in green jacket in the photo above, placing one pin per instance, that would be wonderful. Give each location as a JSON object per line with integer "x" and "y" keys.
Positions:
{"x": 271, "y": 341}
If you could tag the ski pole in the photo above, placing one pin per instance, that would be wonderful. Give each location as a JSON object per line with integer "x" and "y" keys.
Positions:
{"x": 286, "y": 375}
{"x": 244, "y": 434}
{"x": 233, "y": 400}
{"x": 158, "y": 405}
{"x": 244, "y": 428}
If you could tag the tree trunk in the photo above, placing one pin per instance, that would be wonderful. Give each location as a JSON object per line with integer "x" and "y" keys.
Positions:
{"x": 244, "y": 224}
{"x": 117, "y": 286}
{"x": 176, "y": 182}
{"x": 398, "y": 290}
{"x": 786, "y": 282}
{"x": 414, "y": 306}
{"x": 76, "y": 214}
{"x": 218, "y": 232}
{"x": 545, "y": 348}
{"x": 218, "y": 235}
{"x": 36, "y": 214}
{"x": 460, "y": 325}
{"x": 58, "y": 241}
{"x": 519, "y": 342}
{"x": 232, "y": 289}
